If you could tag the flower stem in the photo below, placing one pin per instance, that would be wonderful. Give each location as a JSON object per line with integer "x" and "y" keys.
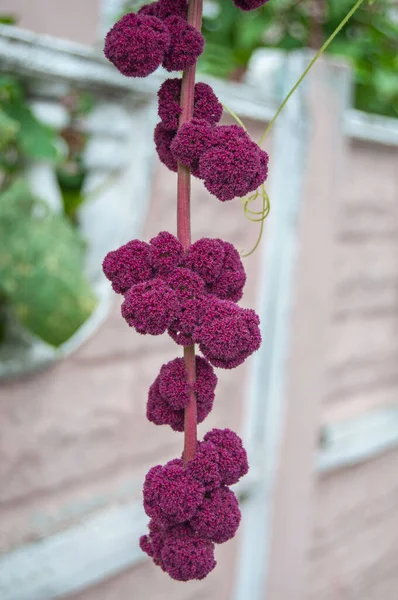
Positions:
{"x": 184, "y": 230}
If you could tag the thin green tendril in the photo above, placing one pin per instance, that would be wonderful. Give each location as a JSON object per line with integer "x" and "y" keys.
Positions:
{"x": 313, "y": 61}
{"x": 234, "y": 116}
{"x": 266, "y": 207}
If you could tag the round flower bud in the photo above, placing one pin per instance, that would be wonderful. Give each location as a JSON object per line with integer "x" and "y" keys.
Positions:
{"x": 181, "y": 330}
{"x": 137, "y": 44}
{"x": 206, "y": 104}
{"x": 165, "y": 252}
{"x": 170, "y": 495}
{"x": 149, "y": 10}
{"x": 228, "y": 333}
{"x": 163, "y": 138}
{"x": 185, "y": 283}
{"x": 188, "y": 558}
{"x": 232, "y": 277}
{"x": 186, "y": 44}
{"x": 191, "y": 141}
{"x": 160, "y": 412}
{"x": 167, "y": 8}
{"x": 204, "y": 466}
{"x": 206, "y": 257}
{"x": 232, "y": 457}
{"x": 127, "y": 266}
{"x": 218, "y": 516}
{"x": 150, "y": 307}
{"x": 234, "y": 165}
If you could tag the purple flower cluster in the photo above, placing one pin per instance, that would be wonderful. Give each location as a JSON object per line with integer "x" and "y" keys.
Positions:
{"x": 170, "y": 393}
{"x": 192, "y": 296}
{"x": 191, "y": 509}
{"x": 157, "y": 35}
{"x": 224, "y": 156}
{"x": 249, "y": 4}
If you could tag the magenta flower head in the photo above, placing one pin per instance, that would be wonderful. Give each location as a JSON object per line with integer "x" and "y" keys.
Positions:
{"x": 234, "y": 166}
{"x": 232, "y": 278}
{"x": 169, "y": 393}
{"x": 189, "y": 318}
{"x": 206, "y": 257}
{"x": 206, "y": 104}
{"x": 165, "y": 252}
{"x": 163, "y": 138}
{"x": 127, "y": 266}
{"x": 137, "y": 44}
{"x": 204, "y": 466}
{"x": 149, "y": 10}
{"x": 186, "y": 284}
{"x": 171, "y": 496}
{"x": 191, "y": 141}
{"x": 232, "y": 457}
{"x": 188, "y": 558}
{"x": 249, "y": 4}
{"x": 228, "y": 334}
{"x": 218, "y": 517}
{"x": 186, "y": 44}
{"x": 168, "y": 8}
{"x": 150, "y": 307}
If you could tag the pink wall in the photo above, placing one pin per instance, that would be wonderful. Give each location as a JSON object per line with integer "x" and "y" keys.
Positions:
{"x": 75, "y": 20}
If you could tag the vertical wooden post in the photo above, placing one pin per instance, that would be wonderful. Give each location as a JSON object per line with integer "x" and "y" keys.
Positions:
{"x": 325, "y": 165}
{"x": 307, "y": 156}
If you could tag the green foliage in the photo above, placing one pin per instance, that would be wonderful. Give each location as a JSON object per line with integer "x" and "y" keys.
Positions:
{"x": 369, "y": 41}
{"x": 41, "y": 267}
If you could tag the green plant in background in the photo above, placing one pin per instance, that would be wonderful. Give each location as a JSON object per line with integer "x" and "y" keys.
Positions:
{"x": 369, "y": 41}
{"x": 41, "y": 256}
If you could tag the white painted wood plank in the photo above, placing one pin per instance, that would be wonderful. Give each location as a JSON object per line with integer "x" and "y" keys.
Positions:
{"x": 75, "y": 558}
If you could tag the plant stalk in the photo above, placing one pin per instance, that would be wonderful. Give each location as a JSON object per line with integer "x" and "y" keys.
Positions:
{"x": 194, "y": 18}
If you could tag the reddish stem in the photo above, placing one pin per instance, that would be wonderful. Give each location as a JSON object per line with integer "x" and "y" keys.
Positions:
{"x": 184, "y": 230}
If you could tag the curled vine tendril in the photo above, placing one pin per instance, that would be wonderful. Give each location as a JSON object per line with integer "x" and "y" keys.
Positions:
{"x": 261, "y": 192}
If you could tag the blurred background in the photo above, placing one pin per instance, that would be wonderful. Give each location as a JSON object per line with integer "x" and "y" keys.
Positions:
{"x": 317, "y": 406}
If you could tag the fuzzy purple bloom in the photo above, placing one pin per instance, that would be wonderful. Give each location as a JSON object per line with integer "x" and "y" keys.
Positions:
{"x": 232, "y": 278}
{"x": 191, "y": 141}
{"x": 169, "y": 393}
{"x": 249, "y": 4}
{"x": 234, "y": 166}
{"x": 186, "y": 44}
{"x": 185, "y": 283}
{"x": 168, "y": 8}
{"x": 228, "y": 334}
{"x": 150, "y": 307}
{"x": 127, "y": 266}
{"x": 171, "y": 496}
{"x": 189, "y": 318}
{"x": 206, "y": 257}
{"x": 232, "y": 457}
{"x": 137, "y": 44}
{"x": 165, "y": 252}
{"x": 204, "y": 466}
{"x": 163, "y": 138}
{"x": 149, "y": 10}
{"x": 218, "y": 516}
{"x": 206, "y": 104}
{"x": 185, "y": 559}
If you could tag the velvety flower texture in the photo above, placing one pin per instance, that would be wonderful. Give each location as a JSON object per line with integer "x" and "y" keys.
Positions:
{"x": 206, "y": 104}
{"x": 218, "y": 517}
{"x": 171, "y": 496}
{"x": 228, "y": 334}
{"x": 163, "y": 138}
{"x": 190, "y": 142}
{"x": 165, "y": 252}
{"x": 128, "y": 265}
{"x": 137, "y": 44}
{"x": 186, "y": 44}
{"x": 234, "y": 165}
{"x": 169, "y": 393}
{"x": 150, "y": 307}
{"x": 192, "y": 508}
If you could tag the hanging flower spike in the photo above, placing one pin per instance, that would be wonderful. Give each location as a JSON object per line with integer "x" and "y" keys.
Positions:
{"x": 137, "y": 44}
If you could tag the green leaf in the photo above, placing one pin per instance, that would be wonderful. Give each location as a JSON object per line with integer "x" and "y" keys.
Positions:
{"x": 36, "y": 141}
{"x": 16, "y": 203}
{"x": 8, "y": 129}
{"x": 42, "y": 276}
